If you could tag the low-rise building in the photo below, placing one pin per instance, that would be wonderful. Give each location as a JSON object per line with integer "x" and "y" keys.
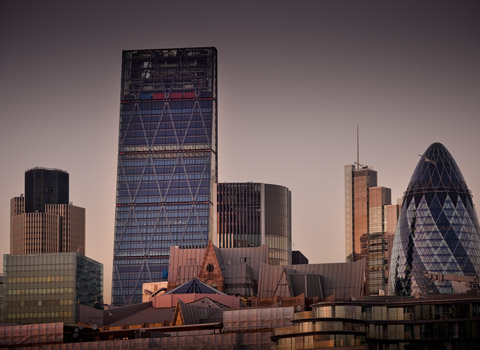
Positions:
{"x": 41, "y": 288}
{"x": 386, "y": 322}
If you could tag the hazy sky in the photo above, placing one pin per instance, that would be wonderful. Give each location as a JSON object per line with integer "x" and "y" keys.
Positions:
{"x": 295, "y": 78}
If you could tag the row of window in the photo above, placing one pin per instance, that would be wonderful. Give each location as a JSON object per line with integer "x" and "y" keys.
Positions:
{"x": 172, "y": 191}
{"x": 30, "y": 315}
{"x": 184, "y": 152}
{"x": 35, "y": 304}
{"x": 157, "y": 199}
{"x": 140, "y": 261}
{"x": 180, "y": 160}
{"x": 183, "y": 214}
{"x": 162, "y": 229}
{"x": 135, "y": 223}
{"x": 165, "y": 185}
{"x": 125, "y": 246}
{"x": 149, "y": 119}
{"x": 165, "y": 110}
{"x": 186, "y": 169}
{"x": 40, "y": 279}
{"x": 135, "y": 276}
{"x": 166, "y": 125}
{"x": 176, "y": 238}
{"x": 121, "y": 179}
{"x": 35, "y": 291}
{"x": 174, "y": 147}
{"x": 149, "y": 105}
{"x": 167, "y": 207}
{"x": 416, "y": 312}
{"x": 137, "y": 253}
{"x": 142, "y": 141}
{"x": 177, "y": 134}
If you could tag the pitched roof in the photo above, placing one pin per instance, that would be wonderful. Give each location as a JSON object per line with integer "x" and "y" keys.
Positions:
{"x": 186, "y": 263}
{"x": 194, "y": 286}
{"x": 137, "y": 314}
{"x": 204, "y": 310}
{"x": 345, "y": 280}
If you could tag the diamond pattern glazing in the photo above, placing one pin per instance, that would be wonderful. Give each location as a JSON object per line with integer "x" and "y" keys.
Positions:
{"x": 437, "y": 230}
{"x": 167, "y": 163}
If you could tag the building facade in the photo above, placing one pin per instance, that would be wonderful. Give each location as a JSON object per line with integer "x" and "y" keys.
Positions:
{"x": 389, "y": 323}
{"x": 357, "y": 183}
{"x": 368, "y": 217}
{"x": 167, "y": 163}
{"x": 253, "y": 214}
{"x": 437, "y": 229}
{"x": 43, "y": 288}
{"x": 40, "y": 224}
{"x": 45, "y": 186}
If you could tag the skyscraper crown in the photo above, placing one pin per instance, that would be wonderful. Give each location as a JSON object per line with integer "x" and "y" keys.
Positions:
{"x": 437, "y": 172}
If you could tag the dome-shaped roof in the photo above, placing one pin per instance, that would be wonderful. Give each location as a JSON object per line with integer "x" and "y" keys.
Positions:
{"x": 436, "y": 170}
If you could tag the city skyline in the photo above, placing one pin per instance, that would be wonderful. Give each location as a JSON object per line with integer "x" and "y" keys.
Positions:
{"x": 294, "y": 81}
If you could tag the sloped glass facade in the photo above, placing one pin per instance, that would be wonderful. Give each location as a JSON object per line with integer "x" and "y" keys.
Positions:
{"x": 167, "y": 163}
{"x": 437, "y": 230}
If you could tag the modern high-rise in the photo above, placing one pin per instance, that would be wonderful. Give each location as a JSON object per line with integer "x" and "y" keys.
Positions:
{"x": 167, "y": 163}
{"x": 45, "y": 186}
{"x": 254, "y": 214}
{"x": 437, "y": 231}
{"x": 368, "y": 217}
{"x": 357, "y": 183}
{"x": 43, "y": 221}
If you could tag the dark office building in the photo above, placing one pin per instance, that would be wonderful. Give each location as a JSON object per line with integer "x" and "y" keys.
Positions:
{"x": 437, "y": 231}
{"x": 253, "y": 214}
{"x": 167, "y": 163}
{"x": 54, "y": 225}
{"x": 45, "y": 186}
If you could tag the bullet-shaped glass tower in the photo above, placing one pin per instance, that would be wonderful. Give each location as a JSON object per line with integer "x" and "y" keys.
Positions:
{"x": 437, "y": 230}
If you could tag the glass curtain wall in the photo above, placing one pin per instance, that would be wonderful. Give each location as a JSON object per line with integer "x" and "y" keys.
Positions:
{"x": 167, "y": 163}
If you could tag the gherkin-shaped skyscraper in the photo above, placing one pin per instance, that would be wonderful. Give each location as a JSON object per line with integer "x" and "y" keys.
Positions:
{"x": 437, "y": 230}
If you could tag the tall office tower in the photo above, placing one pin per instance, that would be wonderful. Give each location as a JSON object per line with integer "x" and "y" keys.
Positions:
{"x": 392, "y": 212}
{"x": 376, "y": 239}
{"x": 167, "y": 163}
{"x": 367, "y": 223}
{"x": 253, "y": 214}
{"x": 437, "y": 231}
{"x": 52, "y": 227}
{"x": 45, "y": 186}
{"x": 357, "y": 183}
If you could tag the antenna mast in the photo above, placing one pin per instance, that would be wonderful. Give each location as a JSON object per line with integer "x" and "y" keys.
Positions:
{"x": 358, "y": 150}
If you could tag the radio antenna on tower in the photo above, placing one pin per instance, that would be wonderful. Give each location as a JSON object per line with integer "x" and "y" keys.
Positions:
{"x": 358, "y": 149}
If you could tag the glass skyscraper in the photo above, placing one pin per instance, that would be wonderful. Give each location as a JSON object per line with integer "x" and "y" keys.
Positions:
{"x": 369, "y": 218}
{"x": 252, "y": 214}
{"x": 437, "y": 230}
{"x": 167, "y": 163}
